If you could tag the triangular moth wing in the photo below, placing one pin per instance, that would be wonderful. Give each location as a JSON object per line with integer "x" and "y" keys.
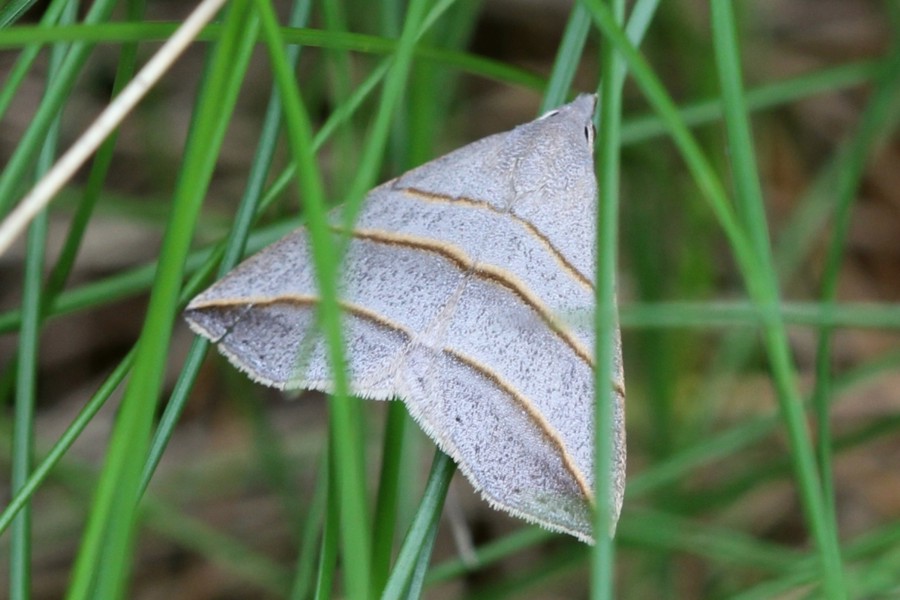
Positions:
{"x": 453, "y": 286}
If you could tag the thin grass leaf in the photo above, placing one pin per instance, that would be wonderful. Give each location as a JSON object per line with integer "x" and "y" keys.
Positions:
{"x": 58, "y": 275}
{"x": 758, "y": 281}
{"x": 304, "y": 570}
{"x": 125, "y": 32}
{"x": 605, "y": 319}
{"x": 236, "y": 244}
{"x": 743, "y": 314}
{"x": 567, "y": 58}
{"x": 356, "y": 532}
{"x": 28, "y": 353}
{"x": 57, "y": 92}
{"x": 550, "y": 570}
{"x": 803, "y": 228}
{"x": 348, "y": 453}
{"x": 415, "y": 26}
{"x": 40, "y": 474}
{"x": 487, "y": 554}
{"x": 646, "y": 127}
{"x": 26, "y": 57}
{"x": 796, "y": 241}
{"x": 13, "y": 10}
{"x": 25, "y": 398}
{"x": 751, "y": 207}
{"x": 125, "y": 69}
{"x": 339, "y": 88}
{"x": 328, "y": 552}
{"x": 423, "y": 525}
{"x": 875, "y": 118}
{"x": 417, "y": 578}
{"x": 103, "y": 562}
{"x": 411, "y": 143}
{"x": 388, "y": 493}
{"x": 654, "y": 529}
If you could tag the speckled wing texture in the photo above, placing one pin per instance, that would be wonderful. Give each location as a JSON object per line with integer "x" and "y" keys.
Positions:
{"x": 458, "y": 292}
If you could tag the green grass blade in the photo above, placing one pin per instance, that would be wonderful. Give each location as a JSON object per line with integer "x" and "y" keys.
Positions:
{"x": 125, "y": 69}
{"x": 567, "y": 58}
{"x": 417, "y": 577}
{"x": 530, "y": 581}
{"x": 427, "y": 518}
{"x": 758, "y": 281}
{"x": 700, "y": 168}
{"x": 347, "y": 451}
{"x": 236, "y": 243}
{"x": 27, "y": 364}
{"x": 103, "y": 562}
{"x": 709, "y": 315}
{"x": 13, "y": 10}
{"x": 875, "y": 119}
{"x": 62, "y": 445}
{"x": 388, "y": 491}
{"x": 572, "y": 47}
{"x": 25, "y": 398}
{"x": 760, "y": 288}
{"x": 751, "y": 207}
{"x": 339, "y": 87}
{"x": 650, "y": 126}
{"x": 748, "y": 193}
{"x": 606, "y": 320}
{"x": 412, "y": 140}
{"x": 328, "y": 552}
{"x": 304, "y": 570}
{"x": 26, "y": 59}
{"x": 125, "y": 32}
{"x": 57, "y": 92}
{"x": 356, "y": 532}
{"x": 654, "y": 529}
{"x": 414, "y": 27}
{"x": 487, "y": 554}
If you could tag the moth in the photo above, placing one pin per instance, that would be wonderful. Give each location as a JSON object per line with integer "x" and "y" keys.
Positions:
{"x": 457, "y": 290}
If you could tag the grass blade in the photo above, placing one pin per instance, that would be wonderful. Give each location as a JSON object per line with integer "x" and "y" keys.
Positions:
{"x": 822, "y": 521}
{"x": 416, "y": 545}
{"x": 103, "y": 562}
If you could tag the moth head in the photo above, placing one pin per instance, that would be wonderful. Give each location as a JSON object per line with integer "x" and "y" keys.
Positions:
{"x": 559, "y": 126}
{"x": 555, "y": 153}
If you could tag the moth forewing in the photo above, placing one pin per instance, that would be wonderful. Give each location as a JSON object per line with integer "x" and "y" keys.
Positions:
{"x": 453, "y": 284}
